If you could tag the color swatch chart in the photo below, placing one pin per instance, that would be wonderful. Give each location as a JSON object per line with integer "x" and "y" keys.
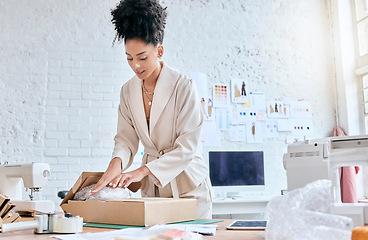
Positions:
{"x": 221, "y": 97}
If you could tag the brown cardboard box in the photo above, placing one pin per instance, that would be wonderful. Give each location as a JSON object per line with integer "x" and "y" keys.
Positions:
{"x": 130, "y": 211}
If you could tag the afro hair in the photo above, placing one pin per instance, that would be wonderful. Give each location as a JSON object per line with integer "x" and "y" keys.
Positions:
{"x": 143, "y": 19}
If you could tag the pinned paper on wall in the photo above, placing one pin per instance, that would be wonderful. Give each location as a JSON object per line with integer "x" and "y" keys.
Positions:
{"x": 211, "y": 136}
{"x": 221, "y": 95}
{"x": 300, "y": 109}
{"x": 301, "y": 127}
{"x": 223, "y": 118}
{"x": 247, "y": 104}
{"x": 237, "y": 133}
{"x": 278, "y": 109}
{"x": 270, "y": 128}
{"x": 207, "y": 109}
{"x": 254, "y": 132}
{"x": 202, "y": 88}
{"x": 201, "y": 82}
{"x": 245, "y": 114}
{"x": 261, "y": 117}
{"x": 210, "y": 109}
{"x": 257, "y": 101}
{"x": 239, "y": 90}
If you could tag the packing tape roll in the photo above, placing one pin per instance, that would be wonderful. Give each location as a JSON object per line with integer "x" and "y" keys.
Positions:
{"x": 45, "y": 222}
{"x": 68, "y": 225}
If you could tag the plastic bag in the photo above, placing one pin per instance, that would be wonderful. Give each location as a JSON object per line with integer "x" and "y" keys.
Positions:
{"x": 106, "y": 193}
{"x": 303, "y": 214}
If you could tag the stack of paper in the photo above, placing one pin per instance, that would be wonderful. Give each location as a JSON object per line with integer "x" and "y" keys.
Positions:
{"x": 6, "y": 215}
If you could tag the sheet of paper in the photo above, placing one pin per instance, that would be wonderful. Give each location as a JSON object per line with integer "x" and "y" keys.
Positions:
{"x": 270, "y": 128}
{"x": 301, "y": 127}
{"x": 201, "y": 83}
{"x": 239, "y": 90}
{"x": 106, "y": 235}
{"x": 132, "y": 233}
{"x": 257, "y": 101}
{"x": 247, "y": 104}
{"x": 278, "y": 109}
{"x": 300, "y": 109}
{"x": 202, "y": 89}
{"x": 223, "y": 118}
{"x": 261, "y": 117}
{"x": 237, "y": 133}
{"x": 221, "y": 95}
{"x": 244, "y": 114}
{"x": 211, "y": 135}
{"x": 254, "y": 132}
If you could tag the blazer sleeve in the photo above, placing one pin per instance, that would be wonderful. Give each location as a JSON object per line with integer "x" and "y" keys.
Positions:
{"x": 126, "y": 138}
{"x": 188, "y": 124}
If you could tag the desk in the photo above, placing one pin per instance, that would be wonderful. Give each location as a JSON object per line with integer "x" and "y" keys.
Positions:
{"x": 221, "y": 233}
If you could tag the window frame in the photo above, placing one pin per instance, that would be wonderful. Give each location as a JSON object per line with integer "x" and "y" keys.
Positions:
{"x": 361, "y": 60}
{"x": 361, "y": 71}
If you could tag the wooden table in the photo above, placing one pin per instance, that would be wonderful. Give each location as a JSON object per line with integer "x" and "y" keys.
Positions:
{"x": 221, "y": 233}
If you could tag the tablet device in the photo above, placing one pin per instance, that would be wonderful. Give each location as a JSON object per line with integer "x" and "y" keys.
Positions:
{"x": 248, "y": 224}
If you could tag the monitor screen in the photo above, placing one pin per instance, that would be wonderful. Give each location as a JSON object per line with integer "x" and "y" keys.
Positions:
{"x": 236, "y": 168}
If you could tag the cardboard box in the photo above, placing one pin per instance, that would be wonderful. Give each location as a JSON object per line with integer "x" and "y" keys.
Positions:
{"x": 129, "y": 211}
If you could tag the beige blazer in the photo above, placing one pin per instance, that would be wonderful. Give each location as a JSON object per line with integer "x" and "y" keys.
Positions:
{"x": 170, "y": 144}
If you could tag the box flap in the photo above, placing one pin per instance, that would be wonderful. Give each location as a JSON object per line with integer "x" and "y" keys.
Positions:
{"x": 89, "y": 178}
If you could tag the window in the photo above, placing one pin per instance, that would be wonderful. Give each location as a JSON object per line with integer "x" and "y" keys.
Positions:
{"x": 361, "y": 20}
{"x": 361, "y": 24}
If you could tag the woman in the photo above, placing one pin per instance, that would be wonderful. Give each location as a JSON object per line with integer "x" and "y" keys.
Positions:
{"x": 159, "y": 107}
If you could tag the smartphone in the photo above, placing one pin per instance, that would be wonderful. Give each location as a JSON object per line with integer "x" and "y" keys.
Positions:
{"x": 248, "y": 224}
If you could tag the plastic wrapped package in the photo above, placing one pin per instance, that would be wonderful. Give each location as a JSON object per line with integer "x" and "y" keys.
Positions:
{"x": 303, "y": 214}
{"x": 106, "y": 193}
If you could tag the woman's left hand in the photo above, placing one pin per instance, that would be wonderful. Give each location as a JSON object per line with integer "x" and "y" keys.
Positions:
{"x": 133, "y": 176}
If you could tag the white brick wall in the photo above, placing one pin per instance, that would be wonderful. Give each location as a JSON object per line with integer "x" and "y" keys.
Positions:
{"x": 60, "y": 78}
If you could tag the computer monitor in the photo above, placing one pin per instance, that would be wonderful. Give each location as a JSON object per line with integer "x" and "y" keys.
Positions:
{"x": 236, "y": 172}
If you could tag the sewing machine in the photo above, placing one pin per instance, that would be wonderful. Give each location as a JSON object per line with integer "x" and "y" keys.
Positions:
{"x": 310, "y": 160}
{"x": 33, "y": 176}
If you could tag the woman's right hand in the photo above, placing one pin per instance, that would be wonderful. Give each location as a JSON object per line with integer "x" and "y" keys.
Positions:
{"x": 111, "y": 176}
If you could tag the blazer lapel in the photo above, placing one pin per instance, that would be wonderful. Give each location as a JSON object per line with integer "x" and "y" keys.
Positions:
{"x": 137, "y": 108}
{"x": 164, "y": 88}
